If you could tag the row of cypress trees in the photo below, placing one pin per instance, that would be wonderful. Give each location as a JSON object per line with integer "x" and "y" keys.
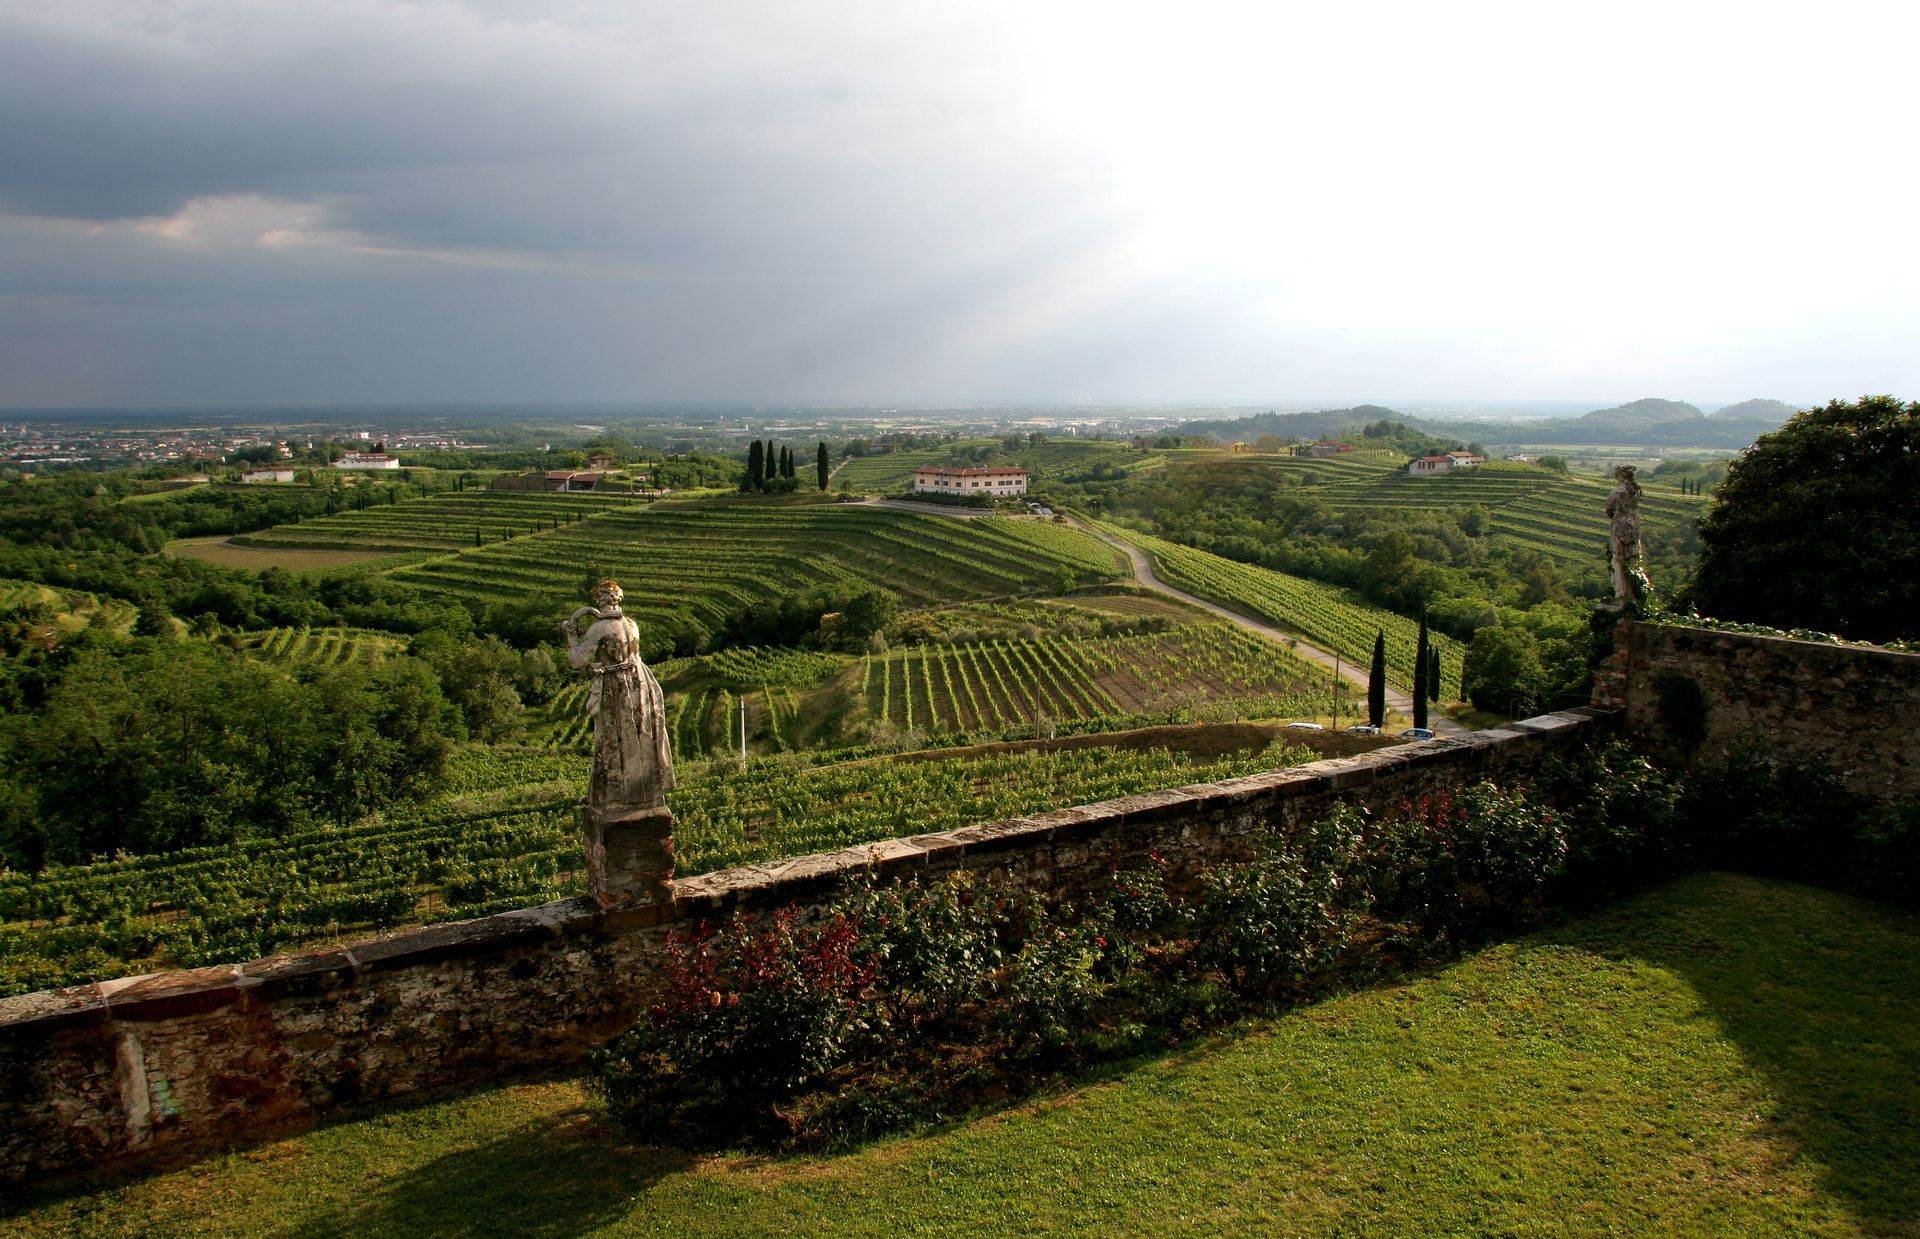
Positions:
{"x": 1426, "y": 678}
{"x": 764, "y": 466}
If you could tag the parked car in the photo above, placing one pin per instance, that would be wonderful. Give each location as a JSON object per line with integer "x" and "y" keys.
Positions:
{"x": 1304, "y": 727}
{"x": 1417, "y": 733}
{"x": 1363, "y": 729}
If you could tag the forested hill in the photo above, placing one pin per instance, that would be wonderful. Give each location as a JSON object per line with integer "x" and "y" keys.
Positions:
{"x": 1774, "y": 411}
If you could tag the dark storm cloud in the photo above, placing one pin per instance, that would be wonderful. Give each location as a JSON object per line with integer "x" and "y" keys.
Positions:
{"x": 366, "y": 200}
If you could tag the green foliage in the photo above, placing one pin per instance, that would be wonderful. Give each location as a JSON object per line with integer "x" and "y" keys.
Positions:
{"x": 1502, "y": 671}
{"x": 1818, "y": 525}
{"x": 155, "y": 748}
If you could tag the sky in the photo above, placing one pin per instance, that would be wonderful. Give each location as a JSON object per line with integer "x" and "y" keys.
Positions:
{"x": 363, "y": 202}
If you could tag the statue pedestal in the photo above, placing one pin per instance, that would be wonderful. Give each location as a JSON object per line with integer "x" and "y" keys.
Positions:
{"x": 629, "y": 856}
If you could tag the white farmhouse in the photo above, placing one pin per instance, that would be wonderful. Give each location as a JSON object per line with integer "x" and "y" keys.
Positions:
{"x": 267, "y": 475}
{"x": 994, "y": 480}
{"x": 367, "y": 460}
{"x": 1428, "y": 466}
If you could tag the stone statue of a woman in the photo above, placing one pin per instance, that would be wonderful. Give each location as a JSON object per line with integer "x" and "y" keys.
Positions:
{"x": 629, "y": 830}
{"x": 1630, "y": 584}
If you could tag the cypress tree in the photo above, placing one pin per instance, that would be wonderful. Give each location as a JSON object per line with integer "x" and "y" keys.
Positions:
{"x": 1421, "y": 657}
{"x": 756, "y": 464}
{"x": 786, "y": 462}
{"x": 1433, "y": 676}
{"x": 1377, "y": 682}
{"x": 820, "y": 465}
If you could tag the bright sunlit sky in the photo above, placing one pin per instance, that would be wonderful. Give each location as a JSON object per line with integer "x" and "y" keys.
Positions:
{"x": 364, "y": 202}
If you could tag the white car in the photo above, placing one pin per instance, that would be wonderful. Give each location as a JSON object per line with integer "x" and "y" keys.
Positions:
{"x": 1363, "y": 729}
{"x": 1417, "y": 733}
{"x": 1304, "y": 727}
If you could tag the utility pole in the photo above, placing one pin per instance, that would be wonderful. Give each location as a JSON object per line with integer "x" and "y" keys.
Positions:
{"x": 743, "y": 733}
{"x": 1336, "y": 690}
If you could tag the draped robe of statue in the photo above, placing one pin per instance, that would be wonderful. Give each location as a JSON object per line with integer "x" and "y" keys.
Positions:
{"x": 1623, "y": 543}
{"x": 632, "y": 764}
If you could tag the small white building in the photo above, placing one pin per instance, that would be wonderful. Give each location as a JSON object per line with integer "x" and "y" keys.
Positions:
{"x": 991, "y": 480}
{"x": 367, "y": 460}
{"x": 1465, "y": 460}
{"x": 267, "y": 475}
{"x": 1427, "y": 466}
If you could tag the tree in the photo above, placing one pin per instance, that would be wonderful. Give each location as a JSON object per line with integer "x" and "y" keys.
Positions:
{"x": 153, "y": 620}
{"x": 1817, "y": 525}
{"x": 820, "y": 466}
{"x": 1503, "y": 671}
{"x": 1556, "y": 463}
{"x": 1433, "y": 674}
{"x": 1420, "y": 651}
{"x": 1377, "y": 682}
{"x": 756, "y": 467}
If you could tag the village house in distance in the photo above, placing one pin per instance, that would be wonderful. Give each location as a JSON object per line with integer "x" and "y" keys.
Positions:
{"x": 992, "y": 480}
{"x": 1446, "y": 462}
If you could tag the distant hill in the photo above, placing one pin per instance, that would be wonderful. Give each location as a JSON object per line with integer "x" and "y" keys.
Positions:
{"x": 1773, "y": 412}
{"x": 1641, "y": 415}
{"x": 1293, "y": 425}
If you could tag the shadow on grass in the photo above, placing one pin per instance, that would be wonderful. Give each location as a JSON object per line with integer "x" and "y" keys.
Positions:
{"x": 1821, "y": 992}
{"x": 546, "y": 1180}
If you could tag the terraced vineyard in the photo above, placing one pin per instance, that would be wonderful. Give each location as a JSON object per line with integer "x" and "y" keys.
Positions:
{"x": 687, "y": 569}
{"x": 1559, "y": 515}
{"x": 219, "y": 904}
{"x": 986, "y": 686}
{"x": 444, "y": 522}
{"x": 325, "y": 646}
{"x": 1332, "y": 618}
{"x": 69, "y": 609}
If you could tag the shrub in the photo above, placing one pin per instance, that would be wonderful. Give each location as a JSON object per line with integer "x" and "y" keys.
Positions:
{"x": 750, "y": 1015}
{"x": 1268, "y": 924}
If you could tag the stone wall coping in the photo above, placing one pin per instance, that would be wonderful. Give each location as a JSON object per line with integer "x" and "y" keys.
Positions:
{"x": 1799, "y": 646}
{"x": 166, "y": 995}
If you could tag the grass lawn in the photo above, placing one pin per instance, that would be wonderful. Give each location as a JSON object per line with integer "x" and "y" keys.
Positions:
{"x": 1725, "y": 1055}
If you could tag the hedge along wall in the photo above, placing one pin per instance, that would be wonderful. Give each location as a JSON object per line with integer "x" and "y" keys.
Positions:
{"x": 1693, "y": 691}
{"x": 175, "y": 1063}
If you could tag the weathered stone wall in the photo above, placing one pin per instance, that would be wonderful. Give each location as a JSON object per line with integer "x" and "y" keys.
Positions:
{"x": 180, "y": 1062}
{"x": 1854, "y": 709}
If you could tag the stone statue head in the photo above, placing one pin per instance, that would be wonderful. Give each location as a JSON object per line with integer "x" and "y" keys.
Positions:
{"x": 607, "y": 595}
{"x": 1624, "y": 473}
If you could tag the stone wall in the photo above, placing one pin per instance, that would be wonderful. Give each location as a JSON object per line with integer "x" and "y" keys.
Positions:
{"x": 176, "y": 1063}
{"x": 1854, "y": 709}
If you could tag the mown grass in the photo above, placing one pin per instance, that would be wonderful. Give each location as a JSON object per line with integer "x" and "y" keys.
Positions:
{"x": 1723, "y": 1056}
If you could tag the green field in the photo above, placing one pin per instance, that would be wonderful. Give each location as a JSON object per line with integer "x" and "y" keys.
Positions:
{"x": 229, "y": 903}
{"x": 1326, "y": 615}
{"x": 1724, "y": 1056}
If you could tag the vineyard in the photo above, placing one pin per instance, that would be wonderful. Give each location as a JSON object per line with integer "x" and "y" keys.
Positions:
{"x": 990, "y": 685}
{"x": 443, "y": 522}
{"x": 687, "y": 569}
{"x": 67, "y": 610}
{"x": 321, "y": 646}
{"x": 1561, "y": 516}
{"x": 1335, "y": 619}
{"x": 208, "y": 905}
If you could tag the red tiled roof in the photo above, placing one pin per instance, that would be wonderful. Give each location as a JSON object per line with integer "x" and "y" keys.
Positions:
{"x": 969, "y": 471}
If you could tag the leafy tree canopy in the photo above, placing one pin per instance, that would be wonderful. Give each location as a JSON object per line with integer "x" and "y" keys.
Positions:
{"x": 1818, "y": 525}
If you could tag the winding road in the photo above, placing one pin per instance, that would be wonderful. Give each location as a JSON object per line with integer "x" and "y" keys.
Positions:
{"x": 1143, "y": 573}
